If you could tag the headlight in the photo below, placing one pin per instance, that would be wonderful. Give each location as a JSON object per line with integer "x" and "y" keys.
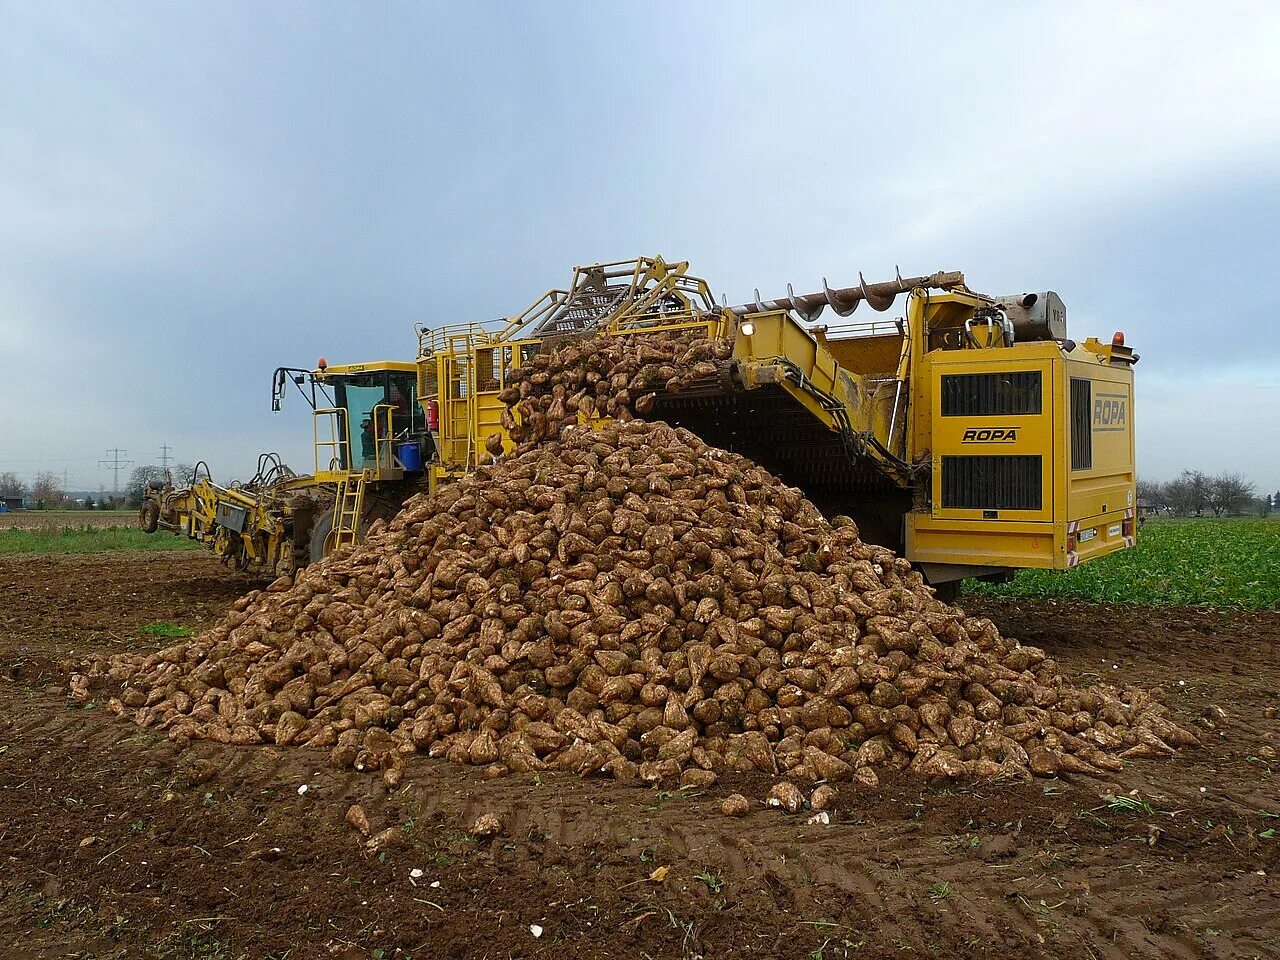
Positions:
{"x": 748, "y": 328}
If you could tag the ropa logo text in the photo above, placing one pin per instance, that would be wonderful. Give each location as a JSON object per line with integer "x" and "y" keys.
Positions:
{"x": 990, "y": 435}
{"x": 1110, "y": 411}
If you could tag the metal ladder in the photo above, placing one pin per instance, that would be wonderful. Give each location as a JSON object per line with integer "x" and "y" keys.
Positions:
{"x": 348, "y": 506}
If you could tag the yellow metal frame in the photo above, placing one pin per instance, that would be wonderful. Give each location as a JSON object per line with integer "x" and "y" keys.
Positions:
{"x": 777, "y": 338}
{"x": 264, "y": 544}
{"x": 348, "y": 509}
{"x": 651, "y": 285}
{"x": 331, "y": 445}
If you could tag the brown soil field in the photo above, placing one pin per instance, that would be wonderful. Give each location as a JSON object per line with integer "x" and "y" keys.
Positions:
{"x": 67, "y": 519}
{"x": 113, "y": 843}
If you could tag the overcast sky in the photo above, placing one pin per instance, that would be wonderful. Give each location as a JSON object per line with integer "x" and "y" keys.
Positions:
{"x": 192, "y": 195}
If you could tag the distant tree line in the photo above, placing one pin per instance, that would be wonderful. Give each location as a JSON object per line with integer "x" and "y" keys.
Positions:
{"x": 45, "y": 492}
{"x": 1195, "y": 494}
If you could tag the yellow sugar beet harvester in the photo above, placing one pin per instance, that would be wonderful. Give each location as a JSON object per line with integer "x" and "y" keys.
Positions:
{"x": 969, "y": 433}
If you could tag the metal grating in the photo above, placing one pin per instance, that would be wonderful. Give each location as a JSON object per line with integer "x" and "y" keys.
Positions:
{"x": 583, "y": 310}
{"x": 992, "y": 483}
{"x": 992, "y": 394}
{"x": 1081, "y": 424}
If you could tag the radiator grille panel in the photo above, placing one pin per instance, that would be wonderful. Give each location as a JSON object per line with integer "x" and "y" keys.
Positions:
{"x": 991, "y": 483}
{"x": 1081, "y": 424}
{"x": 992, "y": 394}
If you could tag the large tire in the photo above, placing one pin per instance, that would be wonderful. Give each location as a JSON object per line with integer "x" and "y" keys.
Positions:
{"x": 149, "y": 516}
{"x": 321, "y": 536}
{"x": 381, "y": 507}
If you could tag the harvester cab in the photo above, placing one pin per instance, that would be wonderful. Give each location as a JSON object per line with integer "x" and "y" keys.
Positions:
{"x": 367, "y": 420}
{"x": 372, "y": 441}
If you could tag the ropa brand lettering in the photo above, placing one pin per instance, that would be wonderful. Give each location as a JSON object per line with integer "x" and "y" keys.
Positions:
{"x": 990, "y": 435}
{"x": 1110, "y": 411}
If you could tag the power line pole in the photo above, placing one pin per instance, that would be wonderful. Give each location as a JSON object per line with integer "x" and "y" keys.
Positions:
{"x": 164, "y": 455}
{"x": 115, "y": 463}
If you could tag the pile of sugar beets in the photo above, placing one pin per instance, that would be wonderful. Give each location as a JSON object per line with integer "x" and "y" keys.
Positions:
{"x": 633, "y": 603}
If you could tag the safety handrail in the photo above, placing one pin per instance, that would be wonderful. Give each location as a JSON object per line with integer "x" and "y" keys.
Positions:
{"x": 384, "y": 439}
{"x": 339, "y": 443}
{"x": 437, "y": 339}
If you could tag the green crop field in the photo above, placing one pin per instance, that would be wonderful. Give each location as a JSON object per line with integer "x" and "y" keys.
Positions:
{"x": 88, "y": 540}
{"x": 1227, "y": 562}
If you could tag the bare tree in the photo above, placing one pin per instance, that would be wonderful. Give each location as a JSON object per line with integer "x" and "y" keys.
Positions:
{"x": 1152, "y": 493}
{"x": 46, "y": 490}
{"x": 1229, "y": 493}
{"x": 11, "y": 486}
{"x": 1188, "y": 493}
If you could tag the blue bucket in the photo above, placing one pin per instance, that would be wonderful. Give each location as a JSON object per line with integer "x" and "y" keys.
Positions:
{"x": 410, "y": 455}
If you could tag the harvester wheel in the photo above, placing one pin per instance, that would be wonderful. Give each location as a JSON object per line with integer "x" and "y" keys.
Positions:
{"x": 322, "y": 536}
{"x": 149, "y": 516}
{"x": 321, "y": 542}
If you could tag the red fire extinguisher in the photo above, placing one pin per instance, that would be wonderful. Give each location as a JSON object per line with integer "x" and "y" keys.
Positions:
{"x": 433, "y": 415}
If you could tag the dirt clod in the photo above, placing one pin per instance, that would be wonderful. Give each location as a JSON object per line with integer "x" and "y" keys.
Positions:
{"x": 200, "y": 771}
